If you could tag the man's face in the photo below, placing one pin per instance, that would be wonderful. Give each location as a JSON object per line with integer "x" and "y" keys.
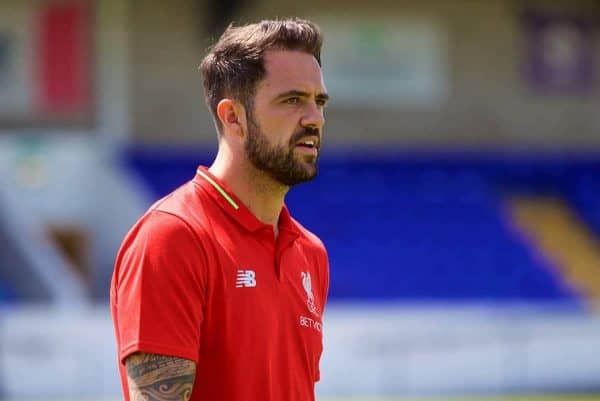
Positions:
{"x": 285, "y": 122}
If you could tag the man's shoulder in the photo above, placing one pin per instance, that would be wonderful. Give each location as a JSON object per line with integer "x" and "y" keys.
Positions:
{"x": 187, "y": 203}
{"x": 308, "y": 237}
{"x": 178, "y": 218}
{"x": 313, "y": 247}
{"x": 184, "y": 211}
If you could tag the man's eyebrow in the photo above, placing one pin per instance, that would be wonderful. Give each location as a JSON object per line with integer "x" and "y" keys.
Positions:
{"x": 321, "y": 96}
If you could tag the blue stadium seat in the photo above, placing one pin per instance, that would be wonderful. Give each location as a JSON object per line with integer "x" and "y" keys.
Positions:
{"x": 421, "y": 228}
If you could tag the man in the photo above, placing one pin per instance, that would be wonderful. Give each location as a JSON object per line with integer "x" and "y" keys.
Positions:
{"x": 218, "y": 293}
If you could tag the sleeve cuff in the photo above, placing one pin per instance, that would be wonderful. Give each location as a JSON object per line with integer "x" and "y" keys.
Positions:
{"x": 143, "y": 346}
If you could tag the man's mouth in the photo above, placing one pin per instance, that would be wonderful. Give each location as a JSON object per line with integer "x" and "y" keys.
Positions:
{"x": 309, "y": 143}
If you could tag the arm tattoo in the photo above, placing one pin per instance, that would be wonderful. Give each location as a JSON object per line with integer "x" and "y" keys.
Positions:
{"x": 154, "y": 377}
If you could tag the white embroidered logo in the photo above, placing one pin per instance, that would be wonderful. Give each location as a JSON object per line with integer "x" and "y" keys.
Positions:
{"x": 245, "y": 278}
{"x": 306, "y": 283}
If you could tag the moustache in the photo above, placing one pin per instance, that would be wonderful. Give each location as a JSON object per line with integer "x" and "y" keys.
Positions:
{"x": 303, "y": 133}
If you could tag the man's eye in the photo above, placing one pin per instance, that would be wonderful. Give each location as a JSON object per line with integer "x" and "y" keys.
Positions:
{"x": 321, "y": 102}
{"x": 292, "y": 100}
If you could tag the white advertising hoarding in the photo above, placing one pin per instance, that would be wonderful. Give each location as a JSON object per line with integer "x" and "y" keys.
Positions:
{"x": 370, "y": 350}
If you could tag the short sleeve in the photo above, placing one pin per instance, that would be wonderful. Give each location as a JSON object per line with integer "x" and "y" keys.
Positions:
{"x": 325, "y": 275}
{"x": 324, "y": 266}
{"x": 160, "y": 288}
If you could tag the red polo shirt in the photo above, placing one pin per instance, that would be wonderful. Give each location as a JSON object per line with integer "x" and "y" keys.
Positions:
{"x": 201, "y": 278}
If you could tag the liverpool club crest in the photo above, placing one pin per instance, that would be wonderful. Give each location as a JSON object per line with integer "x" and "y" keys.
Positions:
{"x": 310, "y": 301}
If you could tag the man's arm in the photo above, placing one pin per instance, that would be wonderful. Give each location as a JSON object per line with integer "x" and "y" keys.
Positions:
{"x": 153, "y": 377}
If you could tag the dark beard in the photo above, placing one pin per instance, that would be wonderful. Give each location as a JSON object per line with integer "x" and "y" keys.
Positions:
{"x": 279, "y": 162}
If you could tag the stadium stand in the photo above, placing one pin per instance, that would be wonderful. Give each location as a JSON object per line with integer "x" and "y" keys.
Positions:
{"x": 550, "y": 225}
{"x": 6, "y": 293}
{"x": 423, "y": 228}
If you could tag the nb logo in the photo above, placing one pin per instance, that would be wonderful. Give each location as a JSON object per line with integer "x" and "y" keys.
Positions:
{"x": 245, "y": 278}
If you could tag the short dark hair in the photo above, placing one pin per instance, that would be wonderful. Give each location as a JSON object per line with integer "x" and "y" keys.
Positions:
{"x": 235, "y": 64}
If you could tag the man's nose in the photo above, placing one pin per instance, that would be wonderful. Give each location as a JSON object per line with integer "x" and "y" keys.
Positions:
{"x": 314, "y": 117}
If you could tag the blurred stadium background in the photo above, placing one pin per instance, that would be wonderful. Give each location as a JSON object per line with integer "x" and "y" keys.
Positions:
{"x": 458, "y": 194}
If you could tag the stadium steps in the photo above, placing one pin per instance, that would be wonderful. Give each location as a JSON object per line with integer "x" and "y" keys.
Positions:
{"x": 572, "y": 248}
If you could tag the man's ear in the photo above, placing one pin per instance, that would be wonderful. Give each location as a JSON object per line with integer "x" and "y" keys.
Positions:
{"x": 232, "y": 116}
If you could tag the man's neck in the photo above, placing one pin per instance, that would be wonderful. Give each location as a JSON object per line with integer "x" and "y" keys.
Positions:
{"x": 257, "y": 191}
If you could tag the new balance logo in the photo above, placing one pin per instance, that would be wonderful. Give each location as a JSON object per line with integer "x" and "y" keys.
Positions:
{"x": 245, "y": 278}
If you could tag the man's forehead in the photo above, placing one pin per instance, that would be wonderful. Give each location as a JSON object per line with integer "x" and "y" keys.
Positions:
{"x": 293, "y": 69}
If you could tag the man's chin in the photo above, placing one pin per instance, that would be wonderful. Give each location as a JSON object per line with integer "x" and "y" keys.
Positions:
{"x": 309, "y": 172}
{"x": 308, "y": 163}
{"x": 307, "y": 159}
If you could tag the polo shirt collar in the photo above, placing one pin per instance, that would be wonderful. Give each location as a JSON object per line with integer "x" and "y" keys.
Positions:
{"x": 235, "y": 208}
